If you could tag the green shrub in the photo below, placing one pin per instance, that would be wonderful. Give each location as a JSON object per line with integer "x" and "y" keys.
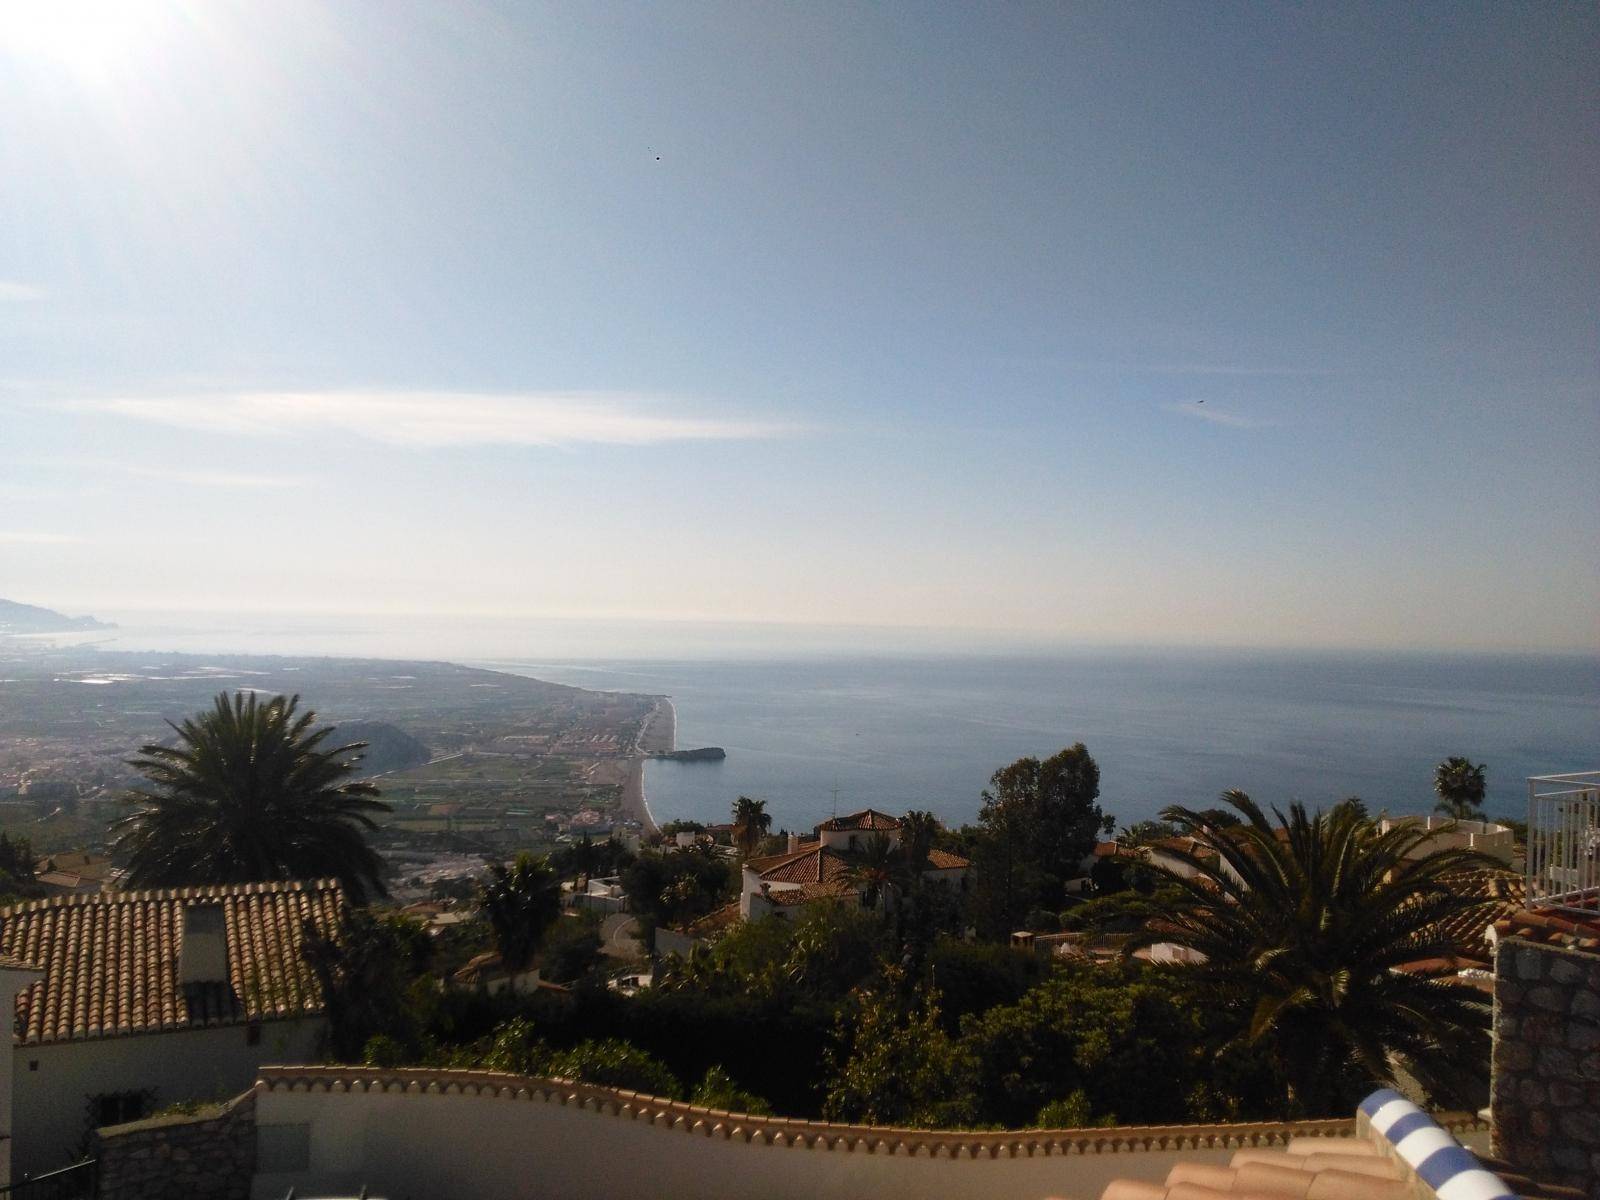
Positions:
{"x": 615, "y": 1063}
{"x": 718, "y": 1090}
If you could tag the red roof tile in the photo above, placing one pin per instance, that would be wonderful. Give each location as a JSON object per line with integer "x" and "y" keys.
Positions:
{"x": 1502, "y": 895}
{"x": 815, "y": 864}
{"x": 110, "y": 960}
{"x": 1553, "y": 927}
{"x": 869, "y": 819}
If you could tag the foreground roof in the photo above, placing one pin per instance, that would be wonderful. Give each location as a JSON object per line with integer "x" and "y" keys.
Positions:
{"x": 1397, "y": 1151}
{"x": 110, "y": 960}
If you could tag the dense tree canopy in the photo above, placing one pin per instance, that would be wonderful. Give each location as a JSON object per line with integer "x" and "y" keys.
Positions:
{"x": 16, "y": 870}
{"x": 251, "y": 791}
{"x": 1105, "y": 1033}
{"x": 672, "y": 887}
{"x": 1038, "y": 822}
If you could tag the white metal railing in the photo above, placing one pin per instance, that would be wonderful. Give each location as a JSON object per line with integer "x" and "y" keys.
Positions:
{"x": 1563, "y": 868}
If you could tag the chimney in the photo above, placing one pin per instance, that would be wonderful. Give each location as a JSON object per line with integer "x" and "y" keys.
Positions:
{"x": 793, "y": 843}
{"x": 203, "y": 957}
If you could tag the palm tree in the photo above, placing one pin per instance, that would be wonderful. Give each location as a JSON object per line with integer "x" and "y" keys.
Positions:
{"x": 917, "y": 831}
{"x": 250, "y": 792}
{"x": 751, "y": 820}
{"x": 877, "y": 871}
{"x": 522, "y": 902}
{"x": 1460, "y": 787}
{"x": 1302, "y": 925}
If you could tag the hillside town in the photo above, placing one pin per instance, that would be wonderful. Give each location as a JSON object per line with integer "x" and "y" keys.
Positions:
{"x": 178, "y": 990}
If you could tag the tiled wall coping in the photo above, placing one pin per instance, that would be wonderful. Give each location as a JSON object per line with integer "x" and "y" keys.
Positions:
{"x": 816, "y": 1135}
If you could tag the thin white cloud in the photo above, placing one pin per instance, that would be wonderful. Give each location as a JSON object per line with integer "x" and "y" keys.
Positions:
{"x": 219, "y": 479}
{"x": 24, "y": 537}
{"x": 12, "y": 292}
{"x": 101, "y": 467}
{"x": 437, "y": 419}
{"x": 1213, "y": 415}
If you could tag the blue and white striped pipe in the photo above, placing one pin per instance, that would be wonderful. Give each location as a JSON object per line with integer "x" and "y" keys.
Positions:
{"x": 1441, "y": 1162}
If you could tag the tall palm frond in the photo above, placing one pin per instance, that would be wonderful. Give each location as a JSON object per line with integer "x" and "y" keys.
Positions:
{"x": 522, "y": 902}
{"x": 751, "y": 820}
{"x": 250, "y": 792}
{"x": 917, "y": 831}
{"x": 1304, "y": 923}
{"x": 1459, "y": 784}
{"x": 877, "y": 871}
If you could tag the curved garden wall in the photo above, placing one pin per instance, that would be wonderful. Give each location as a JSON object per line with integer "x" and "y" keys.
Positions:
{"x": 421, "y": 1133}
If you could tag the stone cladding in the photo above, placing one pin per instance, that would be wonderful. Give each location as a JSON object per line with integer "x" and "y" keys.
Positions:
{"x": 209, "y": 1155}
{"x": 1545, "y": 1096}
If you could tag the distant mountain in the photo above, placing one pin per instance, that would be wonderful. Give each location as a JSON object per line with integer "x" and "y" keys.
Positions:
{"x": 389, "y": 748}
{"x": 30, "y": 618}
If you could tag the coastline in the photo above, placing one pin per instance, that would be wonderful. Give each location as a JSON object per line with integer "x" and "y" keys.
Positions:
{"x": 657, "y": 733}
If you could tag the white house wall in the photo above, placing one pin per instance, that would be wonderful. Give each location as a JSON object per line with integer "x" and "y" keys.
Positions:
{"x": 11, "y": 982}
{"x": 51, "y": 1084}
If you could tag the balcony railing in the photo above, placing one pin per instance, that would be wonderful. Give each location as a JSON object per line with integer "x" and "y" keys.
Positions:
{"x": 1563, "y": 869}
{"x": 77, "y": 1182}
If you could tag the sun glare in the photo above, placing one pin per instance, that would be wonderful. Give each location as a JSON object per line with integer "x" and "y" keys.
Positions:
{"x": 89, "y": 38}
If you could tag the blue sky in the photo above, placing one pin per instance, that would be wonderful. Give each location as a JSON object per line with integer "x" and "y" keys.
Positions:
{"x": 1244, "y": 324}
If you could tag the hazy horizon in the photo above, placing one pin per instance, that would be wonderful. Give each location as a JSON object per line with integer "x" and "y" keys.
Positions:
{"x": 1088, "y": 325}
{"x": 488, "y": 640}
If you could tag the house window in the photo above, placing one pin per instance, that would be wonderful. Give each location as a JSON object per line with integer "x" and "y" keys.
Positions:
{"x": 252, "y": 1034}
{"x": 117, "y": 1108}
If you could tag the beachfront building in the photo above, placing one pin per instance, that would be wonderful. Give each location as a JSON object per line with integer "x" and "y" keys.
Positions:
{"x": 127, "y": 1002}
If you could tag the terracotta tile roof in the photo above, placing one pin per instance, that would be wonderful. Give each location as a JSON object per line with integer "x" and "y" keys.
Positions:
{"x": 7, "y": 962}
{"x": 817, "y": 863}
{"x": 1189, "y": 845}
{"x": 110, "y": 960}
{"x": 1553, "y": 927}
{"x": 1502, "y": 895}
{"x": 814, "y": 864}
{"x": 773, "y": 862}
{"x": 1112, "y": 850}
{"x": 1397, "y": 1152}
{"x": 869, "y": 819}
{"x": 832, "y": 889}
{"x": 714, "y": 921}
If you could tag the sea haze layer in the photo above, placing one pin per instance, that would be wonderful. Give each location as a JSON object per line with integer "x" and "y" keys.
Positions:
{"x": 1169, "y": 727}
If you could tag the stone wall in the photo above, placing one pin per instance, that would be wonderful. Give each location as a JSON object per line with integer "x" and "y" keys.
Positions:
{"x": 210, "y": 1155}
{"x": 1545, "y": 1096}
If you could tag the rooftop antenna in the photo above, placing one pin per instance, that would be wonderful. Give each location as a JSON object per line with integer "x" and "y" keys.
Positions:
{"x": 836, "y": 799}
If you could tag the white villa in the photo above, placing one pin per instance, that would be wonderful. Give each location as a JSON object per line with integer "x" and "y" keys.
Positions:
{"x": 126, "y": 1002}
{"x": 823, "y": 867}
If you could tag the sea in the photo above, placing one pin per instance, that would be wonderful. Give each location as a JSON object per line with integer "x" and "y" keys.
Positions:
{"x": 817, "y": 736}
{"x": 820, "y": 721}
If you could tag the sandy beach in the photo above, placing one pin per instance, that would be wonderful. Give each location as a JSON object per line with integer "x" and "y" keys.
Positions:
{"x": 657, "y": 734}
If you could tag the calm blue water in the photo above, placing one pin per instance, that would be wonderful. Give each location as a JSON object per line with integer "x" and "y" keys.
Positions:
{"x": 1165, "y": 727}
